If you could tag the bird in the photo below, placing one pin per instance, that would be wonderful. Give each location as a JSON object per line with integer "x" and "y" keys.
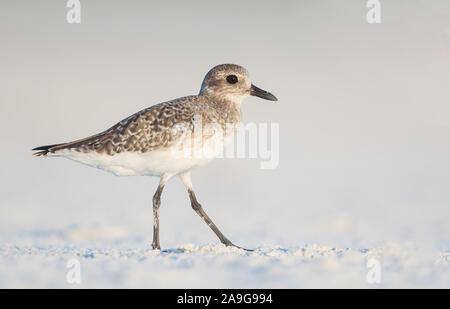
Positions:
{"x": 170, "y": 139}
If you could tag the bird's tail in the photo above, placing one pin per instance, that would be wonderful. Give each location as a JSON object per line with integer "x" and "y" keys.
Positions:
{"x": 44, "y": 150}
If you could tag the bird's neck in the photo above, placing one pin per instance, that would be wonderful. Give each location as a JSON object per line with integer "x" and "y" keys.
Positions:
{"x": 230, "y": 110}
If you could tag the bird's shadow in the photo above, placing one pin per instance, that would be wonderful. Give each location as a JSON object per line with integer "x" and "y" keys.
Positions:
{"x": 181, "y": 250}
{"x": 174, "y": 251}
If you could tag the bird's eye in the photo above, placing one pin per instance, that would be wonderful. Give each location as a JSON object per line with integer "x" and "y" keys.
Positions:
{"x": 232, "y": 79}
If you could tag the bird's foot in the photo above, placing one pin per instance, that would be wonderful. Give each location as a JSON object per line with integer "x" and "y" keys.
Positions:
{"x": 230, "y": 244}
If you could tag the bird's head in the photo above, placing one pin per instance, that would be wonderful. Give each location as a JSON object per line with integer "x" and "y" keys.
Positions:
{"x": 231, "y": 82}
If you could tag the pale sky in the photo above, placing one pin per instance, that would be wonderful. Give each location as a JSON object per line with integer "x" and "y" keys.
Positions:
{"x": 363, "y": 113}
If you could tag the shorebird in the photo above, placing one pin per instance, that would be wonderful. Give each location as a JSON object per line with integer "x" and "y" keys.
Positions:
{"x": 171, "y": 138}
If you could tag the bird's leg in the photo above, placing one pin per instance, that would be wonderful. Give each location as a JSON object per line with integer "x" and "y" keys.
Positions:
{"x": 156, "y": 204}
{"x": 199, "y": 210}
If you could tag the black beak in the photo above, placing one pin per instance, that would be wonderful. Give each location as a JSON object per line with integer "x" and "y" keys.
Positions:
{"x": 258, "y": 92}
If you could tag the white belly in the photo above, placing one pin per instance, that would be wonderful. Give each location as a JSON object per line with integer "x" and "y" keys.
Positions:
{"x": 175, "y": 160}
{"x": 154, "y": 163}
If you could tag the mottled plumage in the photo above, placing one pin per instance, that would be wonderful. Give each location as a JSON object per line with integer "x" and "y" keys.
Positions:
{"x": 170, "y": 138}
{"x": 153, "y": 128}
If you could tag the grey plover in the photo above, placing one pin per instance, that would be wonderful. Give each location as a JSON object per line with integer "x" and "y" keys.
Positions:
{"x": 161, "y": 140}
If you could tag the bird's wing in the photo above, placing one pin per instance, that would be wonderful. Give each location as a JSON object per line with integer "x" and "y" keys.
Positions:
{"x": 149, "y": 129}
